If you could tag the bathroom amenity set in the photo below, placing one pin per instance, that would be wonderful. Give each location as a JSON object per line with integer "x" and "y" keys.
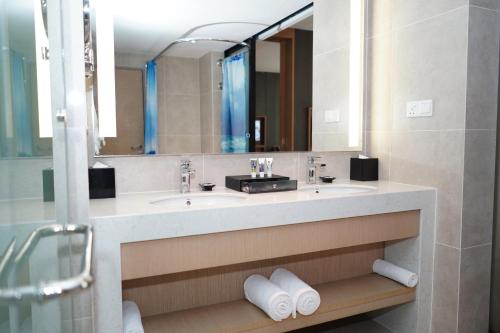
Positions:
{"x": 260, "y": 179}
{"x": 284, "y": 294}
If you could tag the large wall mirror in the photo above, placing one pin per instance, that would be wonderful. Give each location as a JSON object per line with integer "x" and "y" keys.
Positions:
{"x": 182, "y": 77}
{"x": 238, "y": 77}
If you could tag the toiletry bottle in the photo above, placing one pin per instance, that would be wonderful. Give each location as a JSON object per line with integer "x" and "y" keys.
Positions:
{"x": 262, "y": 167}
{"x": 253, "y": 167}
{"x": 269, "y": 164}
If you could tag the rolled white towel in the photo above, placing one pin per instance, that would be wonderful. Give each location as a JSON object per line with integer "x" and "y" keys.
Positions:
{"x": 268, "y": 297}
{"x": 395, "y": 273}
{"x": 305, "y": 299}
{"x": 131, "y": 318}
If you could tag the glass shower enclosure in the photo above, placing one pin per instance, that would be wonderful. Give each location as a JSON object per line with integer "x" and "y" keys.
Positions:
{"x": 45, "y": 245}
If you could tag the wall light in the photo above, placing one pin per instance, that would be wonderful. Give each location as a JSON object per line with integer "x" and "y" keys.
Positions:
{"x": 42, "y": 74}
{"x": 297, "y": 18}
{"x": 106, "y": 102}
{"x": 268, "y": 33}
{"x": 356, "y": 63}
{"x": 6, "y": 91}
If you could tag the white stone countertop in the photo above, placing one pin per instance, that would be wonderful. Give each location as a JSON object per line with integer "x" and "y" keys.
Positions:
{"x": 154, "y": 221}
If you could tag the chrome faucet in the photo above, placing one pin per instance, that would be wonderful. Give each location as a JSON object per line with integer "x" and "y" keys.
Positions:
{"x": 312, "y": 169}
{"x": 186, "y": 172}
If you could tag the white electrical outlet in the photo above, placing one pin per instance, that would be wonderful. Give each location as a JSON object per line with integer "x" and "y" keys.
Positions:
{"x": 419, "y": 109}
{"x": 332, "y": 116}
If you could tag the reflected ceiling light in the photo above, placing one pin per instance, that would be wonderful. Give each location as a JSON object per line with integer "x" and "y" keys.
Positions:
{"x": 106, "y": 102}
{"x": 297, "y": 18}
{"x": 42, "y": 74}
{"x": 291, "y": 21}
{"x": 270, "y": 32}
{"x": 356, "y": 64}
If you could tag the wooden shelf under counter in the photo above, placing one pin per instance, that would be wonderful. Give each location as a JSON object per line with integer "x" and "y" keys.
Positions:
{"x": 195, "y": 283}
{"x": 339, "y": 299}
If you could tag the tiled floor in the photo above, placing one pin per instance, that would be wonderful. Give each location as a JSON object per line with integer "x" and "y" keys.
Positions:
{"x": 351, "y": 325}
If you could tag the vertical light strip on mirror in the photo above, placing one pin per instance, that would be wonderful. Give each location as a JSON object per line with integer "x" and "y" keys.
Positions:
{"x": 6, "y": 90}
{"x": 42, "y": 73}
{"x": 356, "y": 64}
{"x": 106, "y": 103}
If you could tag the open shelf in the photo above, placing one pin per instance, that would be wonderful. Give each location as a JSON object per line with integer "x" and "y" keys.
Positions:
{"x": 339, "y": 299}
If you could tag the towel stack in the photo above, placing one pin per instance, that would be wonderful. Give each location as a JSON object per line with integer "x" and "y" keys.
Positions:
{"x": 282, "y": 295}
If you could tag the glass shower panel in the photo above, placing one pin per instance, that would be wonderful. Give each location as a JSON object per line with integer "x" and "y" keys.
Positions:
{"x": 25, "y": 152}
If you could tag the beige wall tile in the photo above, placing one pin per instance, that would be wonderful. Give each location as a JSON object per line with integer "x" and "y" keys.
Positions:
{"x": 150, "y": 173}
{"x": 408, "y": 12}
{"x": 142, "y": 173}
{"x": 435, "y": 159}
{"x": 330, "y": 141}
{"x": 207, "y": 144}
{"x": 379, "y": 83}
{"x": 482, "y": 73}
{"x": 331, "y": 25}
{"x": 378, "y": 144}
{"x": 491, "y": 4}
{"x": 180, "y": 144}
{"x": 181, "y": 75}
{"x": 183, "y": 115}
{"x": 474, "y": 299}
{"x": 479, "y": 171}
{"x": 446, "y": 287}
{"x": 205, "y": 74}
{"x": 430, "y": 63}
{"x": 24, "y": 177}
{"x": 330, "y": 94}
{"x": 206, "y": 117}
{"x": 217, "y": 102}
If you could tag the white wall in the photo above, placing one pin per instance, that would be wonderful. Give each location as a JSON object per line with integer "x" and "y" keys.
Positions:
{"x": 267, "y": 56}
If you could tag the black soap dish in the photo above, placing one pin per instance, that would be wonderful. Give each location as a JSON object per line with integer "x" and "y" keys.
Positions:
{"x": 206, "y": 186}
{"x": 327, "y": 179}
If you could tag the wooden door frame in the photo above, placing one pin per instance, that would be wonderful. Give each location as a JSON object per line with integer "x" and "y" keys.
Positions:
{"x": 286, "y": 38}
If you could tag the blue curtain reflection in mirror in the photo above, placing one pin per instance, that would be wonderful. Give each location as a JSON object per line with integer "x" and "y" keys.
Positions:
{"x": 151, "y": 112}
{"x": 235, "y": 103}
{"x": 21, "y": 103}
{"x": 16, "y": 107}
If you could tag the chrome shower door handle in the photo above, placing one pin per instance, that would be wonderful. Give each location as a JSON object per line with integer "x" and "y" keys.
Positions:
{"x": 46, "y": 290}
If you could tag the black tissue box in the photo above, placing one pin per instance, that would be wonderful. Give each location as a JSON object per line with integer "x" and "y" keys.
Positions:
{"x": 364, "y": 169}
{"x": 102, "y": 183}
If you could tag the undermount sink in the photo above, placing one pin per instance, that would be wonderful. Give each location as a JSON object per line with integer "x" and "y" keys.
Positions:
{"x": 199, "y": 199}
{"x": 337, "y": 189}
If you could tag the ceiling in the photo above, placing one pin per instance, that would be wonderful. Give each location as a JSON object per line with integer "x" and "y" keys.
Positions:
{"x": 147, "y": 26}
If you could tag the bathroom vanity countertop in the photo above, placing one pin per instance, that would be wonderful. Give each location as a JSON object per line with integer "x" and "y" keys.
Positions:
{"x": 153, "y": 221}
{"x": 142, "y": 203}
{"x": 275, "y": 208}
